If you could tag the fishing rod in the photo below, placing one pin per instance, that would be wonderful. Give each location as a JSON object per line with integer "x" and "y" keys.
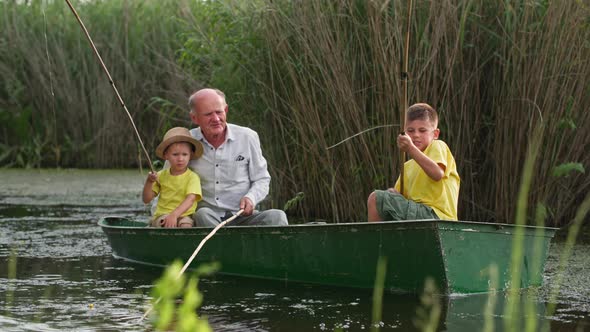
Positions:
{"x": 404, "y": 103}
{"x": 188, "y": 262}
{"x": 402, "y": 113}
{"x": 104, "y": 67}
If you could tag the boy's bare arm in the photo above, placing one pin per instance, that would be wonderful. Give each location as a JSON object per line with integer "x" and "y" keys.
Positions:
{"x": 172, "y": 218}
{"x": 148, "y": 192}
{"x": 432, "y": 169}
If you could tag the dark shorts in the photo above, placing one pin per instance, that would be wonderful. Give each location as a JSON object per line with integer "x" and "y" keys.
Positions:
{"x": 393, "y": 206}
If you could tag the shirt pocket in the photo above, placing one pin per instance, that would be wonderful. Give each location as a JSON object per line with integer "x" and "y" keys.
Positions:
{"x": 238, "y": 171}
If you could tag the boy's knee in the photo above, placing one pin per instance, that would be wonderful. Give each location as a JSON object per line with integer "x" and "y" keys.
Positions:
{"x": 185, "y": 222}
{"x": 372, "y": 198}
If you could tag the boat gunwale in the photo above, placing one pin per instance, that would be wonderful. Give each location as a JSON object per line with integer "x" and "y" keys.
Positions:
{"x": 426, "y": 222}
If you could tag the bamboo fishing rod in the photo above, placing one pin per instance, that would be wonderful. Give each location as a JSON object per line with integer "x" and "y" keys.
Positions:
{"x": 112, "y": 83}
{"x": 404, "y": 103}
{"x": 402, "y": 114}
{"x": 189, "y": 261}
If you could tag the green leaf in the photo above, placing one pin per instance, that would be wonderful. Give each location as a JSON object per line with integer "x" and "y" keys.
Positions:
{"x": 294, "y": 201}
{"x": 171, "y": 286}
{"x": 567, "y": 168}
{"x": 566, "y": 123}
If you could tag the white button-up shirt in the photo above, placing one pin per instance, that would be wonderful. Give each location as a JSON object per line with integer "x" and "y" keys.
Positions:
{"x": 233, "y": 170}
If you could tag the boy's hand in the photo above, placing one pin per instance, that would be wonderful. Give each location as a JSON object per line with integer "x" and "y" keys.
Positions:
{"x": 152, "y": 177}
{"x": 404, "y": 142}
{"x": 170, "y": 221}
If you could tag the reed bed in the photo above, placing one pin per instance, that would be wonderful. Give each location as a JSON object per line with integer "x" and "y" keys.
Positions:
{"x": 306, "y": 75}
{"x": 494, "y": 70}
{"x": 56, "y": 103}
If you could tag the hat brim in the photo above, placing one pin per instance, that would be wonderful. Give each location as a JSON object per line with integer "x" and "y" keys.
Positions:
{"x": 180, "y": 138}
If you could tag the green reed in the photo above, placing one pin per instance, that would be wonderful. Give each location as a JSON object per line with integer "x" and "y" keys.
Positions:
{"x": 56, "y": 103}
{"x": 511, "y": 312}
{"x": 168, "y": 315}
{"x": 378, "y": 293}
{"x": 329, "y": 70}
{"x": 488, "y": 313}
{"x": 306, "y": 75}
{"x": 428, "y": 314}
{"x": 12, "y": 266}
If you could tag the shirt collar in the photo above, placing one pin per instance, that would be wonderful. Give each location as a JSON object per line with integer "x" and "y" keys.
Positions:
{"x": 229, "y": 133}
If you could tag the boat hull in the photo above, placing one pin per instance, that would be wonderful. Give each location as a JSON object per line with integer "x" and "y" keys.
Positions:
{"x": 456, "y": 255}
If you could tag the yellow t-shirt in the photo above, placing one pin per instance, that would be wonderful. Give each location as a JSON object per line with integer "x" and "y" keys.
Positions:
{"x": 442, "y": 196}
{"x": 173, "y": 190}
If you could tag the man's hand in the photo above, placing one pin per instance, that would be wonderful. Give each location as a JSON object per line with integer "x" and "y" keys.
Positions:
{"x": 404, "y": 142}
{"x": 170, "y": 221}
{"x": 247, "y": 206}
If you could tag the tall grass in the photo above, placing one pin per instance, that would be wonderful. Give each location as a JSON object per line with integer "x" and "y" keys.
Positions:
{"x": 305, "y": 75}
{"x": 55, "y": 97}
{"x": 492, "y": 69}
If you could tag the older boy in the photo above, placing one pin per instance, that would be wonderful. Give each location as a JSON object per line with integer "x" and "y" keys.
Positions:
{"x": 178, "y": 187}
{"x": 431, "y": 181}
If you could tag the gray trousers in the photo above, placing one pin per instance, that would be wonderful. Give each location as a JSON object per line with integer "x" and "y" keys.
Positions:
{"x": 206, "y": 217}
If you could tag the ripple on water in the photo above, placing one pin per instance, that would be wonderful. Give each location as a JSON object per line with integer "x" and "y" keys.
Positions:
{"x": 10, "y": 324}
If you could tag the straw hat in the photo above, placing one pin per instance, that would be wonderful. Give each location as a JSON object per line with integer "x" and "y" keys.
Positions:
{"x": 175, "y": 135}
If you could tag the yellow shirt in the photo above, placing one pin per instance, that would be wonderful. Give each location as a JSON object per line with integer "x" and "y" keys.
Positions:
{"x": 173, "y": 190}
{"x": 442, "y": 196}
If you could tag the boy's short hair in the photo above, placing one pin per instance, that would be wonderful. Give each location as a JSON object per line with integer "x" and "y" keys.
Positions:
{"x": 422, "y": 111}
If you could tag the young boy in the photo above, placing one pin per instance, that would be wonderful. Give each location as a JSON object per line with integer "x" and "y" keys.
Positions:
{"x": 179, "y": 187}
{"x": 431, "y": 181}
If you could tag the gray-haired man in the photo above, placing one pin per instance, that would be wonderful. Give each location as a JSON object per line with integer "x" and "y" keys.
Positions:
{"x": 233, "y": 171}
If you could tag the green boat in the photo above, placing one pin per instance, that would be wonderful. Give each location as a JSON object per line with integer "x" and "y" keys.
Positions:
{"x": 456, "y": 255}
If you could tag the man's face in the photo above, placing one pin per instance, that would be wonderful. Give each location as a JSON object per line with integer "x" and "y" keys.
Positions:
{"x": 209, "y": 113}
{"x": 422, "y": 133}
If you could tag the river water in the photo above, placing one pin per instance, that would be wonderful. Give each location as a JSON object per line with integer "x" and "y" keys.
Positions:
{"x": 66, "y": 279}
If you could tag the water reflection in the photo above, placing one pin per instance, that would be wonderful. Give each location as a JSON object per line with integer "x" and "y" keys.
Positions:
{"x": 67, "y": 279}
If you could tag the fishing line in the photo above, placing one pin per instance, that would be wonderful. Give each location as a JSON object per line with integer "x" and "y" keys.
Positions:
{"x": 362, "y": 132}
{"x": 50, "y": 81}
{"x": 188, "y": 262}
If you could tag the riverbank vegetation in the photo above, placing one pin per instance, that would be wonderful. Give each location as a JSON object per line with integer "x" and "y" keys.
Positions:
{"x": 307, "y": 75}
{"x": 57, "y": 108}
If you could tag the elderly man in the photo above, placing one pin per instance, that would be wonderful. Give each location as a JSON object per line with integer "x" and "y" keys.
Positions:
{"x": 233, "y": 171}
